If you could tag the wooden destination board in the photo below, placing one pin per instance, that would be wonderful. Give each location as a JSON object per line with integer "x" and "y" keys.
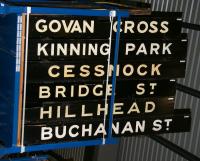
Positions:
{"x": 91, "y": 49}
{"x": 54, "y": 26}
{"x": 94, "y": 129}
{"x": 87, "y": 109}
{"x": 91, "y": 70}
{"x": 39, "y": 92}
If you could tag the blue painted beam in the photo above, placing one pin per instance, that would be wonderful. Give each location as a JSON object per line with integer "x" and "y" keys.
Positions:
{"x": 76, "y": 12}
{"x": 13, "y": 150}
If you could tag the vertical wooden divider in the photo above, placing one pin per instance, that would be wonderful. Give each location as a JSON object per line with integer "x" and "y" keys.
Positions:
{"x": 20, "y": 107}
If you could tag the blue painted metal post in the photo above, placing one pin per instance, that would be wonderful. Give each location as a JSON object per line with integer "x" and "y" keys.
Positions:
{"x": 112, "y": 101}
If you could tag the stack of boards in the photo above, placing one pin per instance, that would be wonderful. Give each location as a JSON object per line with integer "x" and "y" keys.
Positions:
{"x": 65, "y": 70}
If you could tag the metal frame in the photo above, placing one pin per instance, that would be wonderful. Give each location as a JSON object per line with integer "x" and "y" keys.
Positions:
{"x": 7, "y": 9}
